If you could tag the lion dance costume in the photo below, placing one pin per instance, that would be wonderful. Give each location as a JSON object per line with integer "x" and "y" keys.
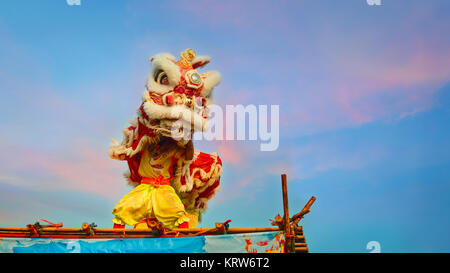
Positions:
{"x": 172, "y": 182}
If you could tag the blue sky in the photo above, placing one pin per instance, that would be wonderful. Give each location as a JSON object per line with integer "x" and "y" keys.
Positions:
{"x": 364, "y": 95}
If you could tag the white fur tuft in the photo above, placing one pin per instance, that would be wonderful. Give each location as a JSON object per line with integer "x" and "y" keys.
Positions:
{"x": 212, "y": 78}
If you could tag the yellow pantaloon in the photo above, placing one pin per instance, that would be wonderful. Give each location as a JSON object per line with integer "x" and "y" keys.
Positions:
{"x": 147, "y": 201}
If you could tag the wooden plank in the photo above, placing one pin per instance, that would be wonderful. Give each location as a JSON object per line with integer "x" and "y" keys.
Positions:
{"x": 298, "y": 230}
{"x": 300, "y": 244}
{"x": 301, "y": 250}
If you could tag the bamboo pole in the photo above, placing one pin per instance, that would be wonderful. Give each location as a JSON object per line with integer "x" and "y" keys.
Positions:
{"x": 297, "y": 217}
{"x": 287, "y": 229}
{"x": 128, "y": 232}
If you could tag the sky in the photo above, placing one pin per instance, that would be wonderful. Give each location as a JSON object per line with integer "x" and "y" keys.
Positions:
{"x": 363, "y": 91}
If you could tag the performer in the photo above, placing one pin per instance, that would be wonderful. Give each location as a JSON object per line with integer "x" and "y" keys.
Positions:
{"x": 173, "y": 183}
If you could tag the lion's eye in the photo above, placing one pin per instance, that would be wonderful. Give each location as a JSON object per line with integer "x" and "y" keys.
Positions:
{"x": 161, "y": 77}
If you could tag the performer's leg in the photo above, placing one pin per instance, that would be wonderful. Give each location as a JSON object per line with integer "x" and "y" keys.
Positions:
{"x": 168, "y": 208}
{"x": 132, "y": 207}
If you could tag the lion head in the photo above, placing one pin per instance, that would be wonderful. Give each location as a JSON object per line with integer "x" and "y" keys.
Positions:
{"x": 177, "y": 95}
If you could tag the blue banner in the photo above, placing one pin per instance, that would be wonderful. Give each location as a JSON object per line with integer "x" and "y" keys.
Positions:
{"x": 264, "y": 242}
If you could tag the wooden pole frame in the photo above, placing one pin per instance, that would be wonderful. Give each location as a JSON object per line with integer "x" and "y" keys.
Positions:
{"x": 121, "y": 233}
{"x": 292, "y": 242}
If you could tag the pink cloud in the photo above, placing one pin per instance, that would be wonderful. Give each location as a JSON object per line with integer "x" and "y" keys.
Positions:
{"x": 230, "y": 153}
{"x": 366, "y": 90}
{"x": 80, "y": 167}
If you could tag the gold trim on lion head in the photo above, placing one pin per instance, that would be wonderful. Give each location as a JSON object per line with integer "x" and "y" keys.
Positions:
{"x": 185, "y": 58}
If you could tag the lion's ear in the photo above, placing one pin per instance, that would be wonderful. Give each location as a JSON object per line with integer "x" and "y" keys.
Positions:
{"x": 210, "y": 80}
{"x": 162, "y": 55}
{"x": 200, "y": 61}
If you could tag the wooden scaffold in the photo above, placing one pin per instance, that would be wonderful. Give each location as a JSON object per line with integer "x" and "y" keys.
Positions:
{"x": 294, "y": 237}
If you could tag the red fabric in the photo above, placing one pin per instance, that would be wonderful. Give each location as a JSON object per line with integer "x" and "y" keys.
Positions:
{"x": 144, "y": 114}
{"x": 142, "y": 131}
{"x": 205, "y": 162}
{"x": 155, "y": 182}
{"x": 200, "y": 64}
{"x": 133, "y": 165}
{"x": 118, "y": 226}
{"x": 210, "y": 190}
{"x": 184, "y": 225}
{"x": 134, "y": 161}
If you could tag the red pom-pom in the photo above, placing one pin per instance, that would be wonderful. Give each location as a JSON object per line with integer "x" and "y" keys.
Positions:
{"x": 169, "y": 100}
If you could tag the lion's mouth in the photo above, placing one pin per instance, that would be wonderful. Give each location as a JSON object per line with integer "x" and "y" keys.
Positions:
{"x": 165, "y": 110}
{"x": 174, "y": 98}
